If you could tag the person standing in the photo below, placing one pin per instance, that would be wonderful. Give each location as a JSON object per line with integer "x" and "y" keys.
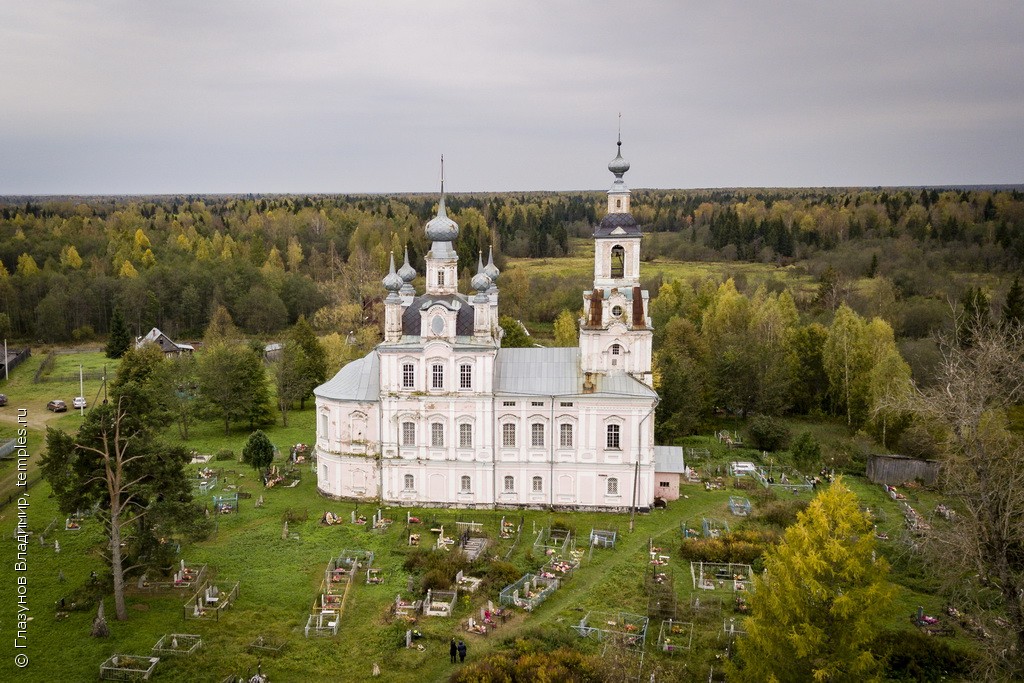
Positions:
{"x": 453, "y": 650}
{"x": 462, "y": 651}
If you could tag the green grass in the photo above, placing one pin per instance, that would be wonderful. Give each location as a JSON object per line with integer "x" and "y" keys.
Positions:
{"x": 279, "y": 580}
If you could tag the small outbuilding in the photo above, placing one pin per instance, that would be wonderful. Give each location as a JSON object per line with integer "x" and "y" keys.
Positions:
{"x": 668, "y": 470}
{"x": 169, "y": 347}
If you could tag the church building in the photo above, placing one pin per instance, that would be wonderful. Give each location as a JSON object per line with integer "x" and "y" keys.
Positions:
{"x": 439, "y": 414}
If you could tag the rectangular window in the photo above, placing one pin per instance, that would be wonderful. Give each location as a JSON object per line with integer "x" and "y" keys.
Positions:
{"x": 664, "y": 484}
{"x": 566, "y": 404}
{"x": 323, "y": 426}
{"x": 565, "y": 435}
{"x": 508, "y": 404}
{"x": 437, "y": 435}
{"x": 537, "y": 435}
{"x": 612, "y": 440}
{"x": 510, "y": 484}
{"x": 408, "y": 376}
{"x": 537, "y": 404}
{"x": 466, "y": 484}
{"x": 440, "y": 278}
{"x": 465, "y": 436}
{"x": 437, "y": 376}
{"x": 538, "y": 484}
{"x": 465, "y": 376}
{"x": 408, "y": 433}
{"x": 508, "y": 434}
{"x": 613, "y": 486}
{"x": 409, "y": 482}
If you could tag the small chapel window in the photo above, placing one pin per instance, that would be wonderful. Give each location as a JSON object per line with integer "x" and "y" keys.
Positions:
{"x": 410, "y": 482}
{"x": 466, "y": 484}
{"x": 510, "y": 484}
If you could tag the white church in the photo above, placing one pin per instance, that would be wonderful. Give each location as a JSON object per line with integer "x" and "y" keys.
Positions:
{"x": 439, "y": 414}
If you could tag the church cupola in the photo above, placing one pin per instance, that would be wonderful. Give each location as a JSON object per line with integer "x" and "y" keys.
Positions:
{"x": 442, "y": 261}
{"x": 408, "y": 274}
{"x": 392, "y": 304}
{"x": 482, "y": 323}
{"x": 617, "y": 236}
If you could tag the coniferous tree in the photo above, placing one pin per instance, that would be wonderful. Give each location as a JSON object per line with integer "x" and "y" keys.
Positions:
{"x": 821, "y": 601}
{"x": 120, "y": 337}
{"x": 1013, "y": 308}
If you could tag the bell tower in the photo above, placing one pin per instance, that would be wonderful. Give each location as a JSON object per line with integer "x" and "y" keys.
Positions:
{"x": 615, "y": 333}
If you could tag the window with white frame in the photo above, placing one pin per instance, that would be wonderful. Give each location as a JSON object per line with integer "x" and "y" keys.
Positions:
{"x": 410, "y": 482}
{"x": 664, "y": 484}
{"x": 612, "y": 441}
{"x": 440, "y": 278}
{"x": 408, "y": 376}
{"x": 437, "y": 435}
{"x": 466, "y": 376}
{"x": 538, "y": 484}
{"x": 613, "y": 486}
{"x": 466, "y": 484}
{"x": 465, "y": 435}
{"x": 323, "y": 426}
{"x": 408, "y": 433}
{"x": 508, "y": 404}
{"x": 565, "y": 435}
{"x": 616, "y": 352}
{"x": 510, "y": 484}
{"x": 537, "y": 404}
{"x": 537, "y": 435}
{"x": 437, "y": 376}
{"x": 508, "y": 434}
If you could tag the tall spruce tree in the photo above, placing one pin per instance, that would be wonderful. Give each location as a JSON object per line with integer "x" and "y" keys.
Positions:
{"x": 120, "y": 338}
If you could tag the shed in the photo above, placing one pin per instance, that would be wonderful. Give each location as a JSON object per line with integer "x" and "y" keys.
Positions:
{"x": 668, "y": 469}
{"x": 897, "y": 469}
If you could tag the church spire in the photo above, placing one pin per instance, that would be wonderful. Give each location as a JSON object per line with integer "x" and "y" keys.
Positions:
{"x": 442, "y": 261}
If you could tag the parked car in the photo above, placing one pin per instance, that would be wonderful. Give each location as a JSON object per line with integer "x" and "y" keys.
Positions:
{"x": 79, "y": 402}
{"x": 57, "y": 406}
{"x": 3, "y": 399}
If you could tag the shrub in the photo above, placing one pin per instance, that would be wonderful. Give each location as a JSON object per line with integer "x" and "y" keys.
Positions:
{"x": 224, "y": 454}
{"x": 780, "y": 513}
{"x": 806, "y": 451}
{"x": 741, "y": 547}
{"x": 768, "y": 433}
{"x": 914, "y": 656}
{"x": 437, "y": 579}
{"x": 501, "y": 574}
{"x": 83, "y": 333}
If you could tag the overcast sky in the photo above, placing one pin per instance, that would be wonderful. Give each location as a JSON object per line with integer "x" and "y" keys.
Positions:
{"x": 246, "y": 96}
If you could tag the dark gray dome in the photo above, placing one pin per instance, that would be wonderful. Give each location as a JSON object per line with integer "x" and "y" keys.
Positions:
{"x": 614, "y": 221}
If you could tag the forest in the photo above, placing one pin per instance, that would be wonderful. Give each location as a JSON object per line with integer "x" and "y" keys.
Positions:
{"x": 877, "y": 273}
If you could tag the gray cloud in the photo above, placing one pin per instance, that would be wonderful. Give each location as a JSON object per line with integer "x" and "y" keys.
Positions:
{"x": 124, "y": 97}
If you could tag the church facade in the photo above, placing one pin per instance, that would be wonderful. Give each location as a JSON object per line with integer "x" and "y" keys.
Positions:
{"x": 439, "y": 414}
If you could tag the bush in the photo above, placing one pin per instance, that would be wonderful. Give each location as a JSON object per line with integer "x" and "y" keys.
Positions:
{"x": 741, "y": 547}
{"x": 768, "y": 433}
{"x": 806, "y": 451}
{"x": 780, "y": 513}
{"x": 914, "y": 656}
{"x": 224, "y": 454}
{"x": 437, "y": 579}
{"x": 501, "y": 574}
{"x": 83, "y": 333}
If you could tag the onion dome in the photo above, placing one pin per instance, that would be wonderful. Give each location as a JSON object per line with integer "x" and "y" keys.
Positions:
{"x": 407, "y": 272}
{"x": 618, "y": 165}
{"x": 440, "y": 228}
{"x": 391, "y": 281}
{"x": 480, "y": 281}
{"x": 491, "y": 270}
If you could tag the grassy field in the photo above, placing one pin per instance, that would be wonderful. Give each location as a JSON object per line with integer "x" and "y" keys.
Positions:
{"x": 279, "y": 580}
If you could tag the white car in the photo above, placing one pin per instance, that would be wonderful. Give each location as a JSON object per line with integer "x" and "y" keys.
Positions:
{"x": 79, "y": 402}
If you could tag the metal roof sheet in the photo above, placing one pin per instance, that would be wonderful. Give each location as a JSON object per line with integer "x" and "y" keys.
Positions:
{"x": 357, "y": 381}
{"x": 669, "y": 459}
{"x": 556, "y": 372}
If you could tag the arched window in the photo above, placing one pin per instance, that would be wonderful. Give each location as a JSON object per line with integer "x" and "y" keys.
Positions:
{"x": 538, "y": 484}
{"x": 565, "y": 435}
{"x": 508, "y": 434}
{"x": 466, "y": 484}
{"x": 510, "y": 484}
{"x": 437, "y": 435}
{"x": 612, "y": 438}
{"x": 408, "y": 433}
{"x": 616, "y": 352}
{"x": 613, "y": 486}
{"x": 537, "y": 435}
{"x": 465, "y": 435}
{"x": 618, "y": 261}
{"x": 410, "y": 482}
